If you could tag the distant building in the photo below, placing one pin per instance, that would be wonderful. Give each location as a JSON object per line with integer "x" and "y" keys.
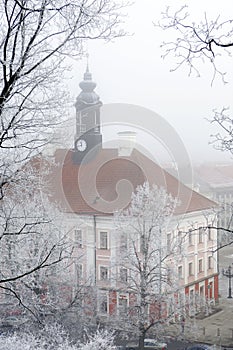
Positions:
{"x": 214, "y": 181}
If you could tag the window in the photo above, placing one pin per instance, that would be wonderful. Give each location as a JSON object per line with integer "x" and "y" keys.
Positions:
{"x": 169, "y": 242}
{"x": 103, "y": 303}
{"x": 200, "y": 235}
{"x": 180, "y": 272}
{"x": 190, "y": 237}
{"x": 200, "y": 265}
{"x": 169, "y": 276}
{"x": 122, "y": 305}
{"x": 191, "y": 297}
{"x": 124, "y": 243}
{"x": 179, "y": 237}
{"x": 79, "y": 271}
{"x": 210, "y": 234}
{"x": 103, "y": 240}
{"x": 179, "y": 241}
{"x": 78, "y": 238}
{"x": 142, "y": 243}
{"x": 190, "y": 269}
{"x": 123, "y": 274}
{"x": 210, "y": 262}
{"x": 83, "y": 128}
{"x": 103, "y": 273}
{"x": 201, "y": 291}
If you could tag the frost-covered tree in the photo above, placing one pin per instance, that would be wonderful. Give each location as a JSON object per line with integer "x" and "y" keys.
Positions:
{"x": 33, "y": 239}
{"x": 37, "y": 39}
{"x": 38, "y": 256}
{"x": 145, "y": 269}
{"x": 101, "y": 340}
{"x": 55, "y": 337}
{"x": 48, "y": 337}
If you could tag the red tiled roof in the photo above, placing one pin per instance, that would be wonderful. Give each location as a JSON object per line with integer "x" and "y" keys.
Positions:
{"x": 106, "y": 183}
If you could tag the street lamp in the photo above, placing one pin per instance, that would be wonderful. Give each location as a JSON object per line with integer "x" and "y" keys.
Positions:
{"x": 228, "y": 274}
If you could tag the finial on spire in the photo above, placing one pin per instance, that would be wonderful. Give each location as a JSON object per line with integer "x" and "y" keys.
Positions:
{"x": 87, "y": 57}
{"x": 87, "y": 74}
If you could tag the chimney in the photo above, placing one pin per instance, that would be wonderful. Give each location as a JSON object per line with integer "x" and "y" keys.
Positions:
{"x": 126, "y": 143}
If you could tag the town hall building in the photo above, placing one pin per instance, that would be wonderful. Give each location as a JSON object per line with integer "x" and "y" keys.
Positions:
{"x": 86, "y": 183}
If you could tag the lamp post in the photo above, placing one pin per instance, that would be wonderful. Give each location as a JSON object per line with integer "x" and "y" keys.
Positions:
{"x": 229, "y": 275}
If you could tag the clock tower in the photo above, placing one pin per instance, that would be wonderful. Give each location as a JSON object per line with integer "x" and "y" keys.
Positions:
{"x": 88, "y": 138}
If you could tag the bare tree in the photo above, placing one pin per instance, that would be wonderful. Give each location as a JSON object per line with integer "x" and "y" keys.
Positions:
{"x": 194, "y": 42}
{"x": 145, "y": 271}
{"x": 199, "y": 42}
{"x": 203, "y": 42}
{"x": 37, "y": 39}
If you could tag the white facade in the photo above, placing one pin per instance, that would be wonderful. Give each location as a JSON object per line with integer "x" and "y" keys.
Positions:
{"x": 196, "y": 267}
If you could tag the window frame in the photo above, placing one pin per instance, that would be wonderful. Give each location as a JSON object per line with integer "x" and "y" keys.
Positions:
{"x": 200, "y": 235}
{"x": 190, "y": 237}
{"x": 120, "y": 297}
{"x": 123, "y": 277}
{"x": 210, "y": 262}
{"x": 124, "y": 242}
{"x": 200, "y": 265}
{"x": 210, "y": 234}
{"x": 79, "y": 272}
{"x": 202, "y": 291}
{"x": 102, "y": 273}
{"x": 190, "y": 270}
{"x": 104, "y": 246}
{"x": 82, "y": 128}
{"x": 169, "y": 241}
{"x": 78, "y": 240}
{"x": 103, "y": 300}
{"x": 180, "y": 272}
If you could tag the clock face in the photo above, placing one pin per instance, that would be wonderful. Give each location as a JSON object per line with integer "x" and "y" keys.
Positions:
{"x": 81, "y": 145}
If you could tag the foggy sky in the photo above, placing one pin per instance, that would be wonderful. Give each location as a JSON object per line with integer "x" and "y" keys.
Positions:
{"x": 131, "y": 70}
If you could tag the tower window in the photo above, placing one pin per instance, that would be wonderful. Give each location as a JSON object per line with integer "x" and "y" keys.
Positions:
{"x": 83, "y": 128}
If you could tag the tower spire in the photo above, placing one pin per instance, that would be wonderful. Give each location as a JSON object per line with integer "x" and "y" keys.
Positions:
{"x": 88, "y": 137}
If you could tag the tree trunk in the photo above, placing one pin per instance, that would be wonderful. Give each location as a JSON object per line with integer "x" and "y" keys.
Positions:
{"x": 141, "y": 340}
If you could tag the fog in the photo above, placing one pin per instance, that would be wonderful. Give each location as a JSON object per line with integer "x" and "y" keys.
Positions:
{"x": 130, "y": 70}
